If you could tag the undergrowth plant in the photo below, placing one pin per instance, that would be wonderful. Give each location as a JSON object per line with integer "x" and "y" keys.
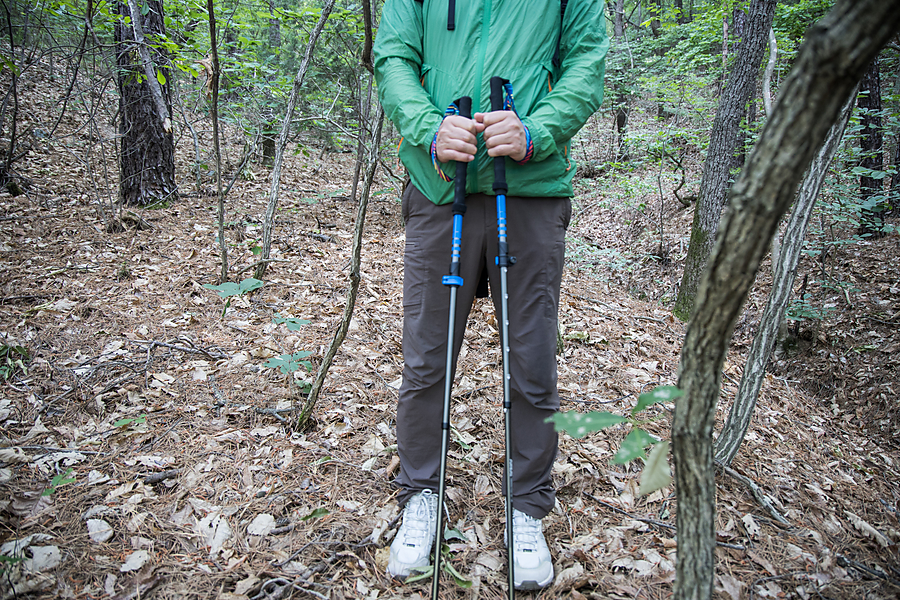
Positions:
{"x": 13, "y": 359}
{"x": 288, "y": 364}
{"x": 656, "y": 474}
{"x": 229, "y": 289}
{"x": 58, "y": 480}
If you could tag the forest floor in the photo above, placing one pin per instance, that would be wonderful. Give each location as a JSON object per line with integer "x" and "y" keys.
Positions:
{"x": 141, "y": 457}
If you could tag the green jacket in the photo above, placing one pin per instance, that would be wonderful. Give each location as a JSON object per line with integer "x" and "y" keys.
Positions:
{"x": 421, "y": 67}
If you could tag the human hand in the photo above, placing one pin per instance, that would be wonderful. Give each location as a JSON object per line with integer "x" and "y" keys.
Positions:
{"x": 504, "y": 134}
{"x": 456, "y": 139}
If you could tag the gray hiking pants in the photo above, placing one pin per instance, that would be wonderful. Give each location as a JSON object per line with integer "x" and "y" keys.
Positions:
{"x": 536, "y": 234}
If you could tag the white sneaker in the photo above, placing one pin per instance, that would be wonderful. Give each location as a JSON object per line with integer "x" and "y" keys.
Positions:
{"x": 411, "y": 548}
{"x": 532, "y": 565}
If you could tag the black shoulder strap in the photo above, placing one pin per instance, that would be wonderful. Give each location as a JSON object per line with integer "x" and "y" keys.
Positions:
{"x": 562, "y": 16}
{"x": 451, "y": 23}
{"x": 451, "y": 14}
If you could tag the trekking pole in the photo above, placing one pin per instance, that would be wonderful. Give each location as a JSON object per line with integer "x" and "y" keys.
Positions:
{"x": 454, "y": 281}
{"x": 504, "y": 260}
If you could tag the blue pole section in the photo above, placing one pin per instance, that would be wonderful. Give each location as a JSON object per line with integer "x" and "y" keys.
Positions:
{"x": 454, "y": 281}
{"x": 504, "y": 261}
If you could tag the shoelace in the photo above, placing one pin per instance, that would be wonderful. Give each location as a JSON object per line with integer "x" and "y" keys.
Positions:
{"x": 417, "y": 519}
{"x": 527, "y": 532}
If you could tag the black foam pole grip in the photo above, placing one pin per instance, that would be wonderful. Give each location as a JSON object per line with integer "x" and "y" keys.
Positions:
{"x": 459, "y": 182}
{"x": 500, "y": 161}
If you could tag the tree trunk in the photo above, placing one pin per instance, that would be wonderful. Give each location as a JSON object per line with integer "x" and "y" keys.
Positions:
{"x": 621, "y": 99}
{"x": 722, "y": 145}
{"x": 214, "y": 115}
{"x": 871, "y": 190}
{"x": 837, "y": 50}
{"x": 738, "y": 421}
{"x": 274, "y": 188}
{"x": 355, "y": 266}
{"x": 147, "y": 155}
{"x": 619, "y": 22}
{"x": 682, "y": 16}
{"x": 656, "y": 11}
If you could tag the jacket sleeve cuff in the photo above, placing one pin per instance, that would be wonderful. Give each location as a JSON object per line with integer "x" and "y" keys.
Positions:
{"x": 541, "y": 144}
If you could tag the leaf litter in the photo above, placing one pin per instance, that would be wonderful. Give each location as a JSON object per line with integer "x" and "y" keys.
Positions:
{"x": 184, "y": 489}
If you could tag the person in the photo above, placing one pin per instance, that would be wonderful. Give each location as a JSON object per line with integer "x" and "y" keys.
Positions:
{"x": 427, "y": 55}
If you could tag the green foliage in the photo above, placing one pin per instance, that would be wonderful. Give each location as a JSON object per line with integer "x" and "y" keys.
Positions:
{"x": 656, "y": 471}
{"x": 7, "y": 561}
{"x": 130, "y": 421}
{"x": 12, "y": 360}
{"x": 291, "y": 323}
{"x": 288, "y": 363}
{"x": 318, "y": 513}
{"x": 804, "y": 310}
{"x": 230, "y": 289}
{"x": 58, "y": 480}
{"x": 446, "y": 566}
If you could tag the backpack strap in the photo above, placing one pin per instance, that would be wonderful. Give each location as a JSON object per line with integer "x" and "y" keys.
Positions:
{"x": 562, "y": 16}
{"x": 451, "y": 14}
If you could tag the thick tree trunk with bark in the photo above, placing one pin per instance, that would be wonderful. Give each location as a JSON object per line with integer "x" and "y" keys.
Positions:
{"x": 722, "y": 145}
{"x": 871, "y": 142}
{"x": 834, "y": 56}
{"x": 735, "y": 428}
{"x": 147, "y": 154}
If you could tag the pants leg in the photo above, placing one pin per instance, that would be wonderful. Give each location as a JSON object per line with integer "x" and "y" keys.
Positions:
{"x": 426, "y": 310}
{"x": 536, "y": 235}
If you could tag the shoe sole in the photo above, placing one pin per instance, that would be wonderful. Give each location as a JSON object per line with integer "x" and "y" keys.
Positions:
{"x": 532, "y": 585}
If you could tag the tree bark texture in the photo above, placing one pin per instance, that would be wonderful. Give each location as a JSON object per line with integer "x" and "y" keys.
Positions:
{"x": 837, "y": 51}
{"x": 619, "y": 21}
{"x": 275, "y": 187}
{"x": 735, "y": 428}
{"x": 723, "y": 142}
{"x": 871, "y": 143}
{"x": 147, "y": 153}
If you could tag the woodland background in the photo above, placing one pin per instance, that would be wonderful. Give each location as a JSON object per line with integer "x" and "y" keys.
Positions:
{"x": 152, "y": 441}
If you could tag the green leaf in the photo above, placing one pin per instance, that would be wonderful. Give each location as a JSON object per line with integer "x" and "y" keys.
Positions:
{"x": 145, "y": 9}
{"x": 457, "y": 577}
{"x": 131, "y": 421}
{"x": 579, "y": 424}
{"x": 656, "y": 474}
{"x": 322, "y": 461}
{"x": 663, "y": 393}
{"x": 160, "y": 77}
{"x": 420, "y": 574}
{"x": 288, "y": 363}
{"x": 454, "y": 534}
{"x": 58, "y": 480}
{"x": 229, "y": 288}
{"x": 316, "y": 514}
{"x": 292, "y": 323}
{"x": 633, "y": 446}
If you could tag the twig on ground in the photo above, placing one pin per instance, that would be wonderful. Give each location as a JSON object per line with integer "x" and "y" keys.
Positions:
{"x": 659, "y": 524}
{"x": 285, "y": 529}
{"x": 162, "y": 476}
{"x": 264, "y": 261}
{"x": 153, "y": 343}
{"x": 51, "y": 449}
{"x": 273, "y": 412}
{"x": 757, "y": 493}
{"x": 654, "y": 319}
{"x": 849, "y": 562}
